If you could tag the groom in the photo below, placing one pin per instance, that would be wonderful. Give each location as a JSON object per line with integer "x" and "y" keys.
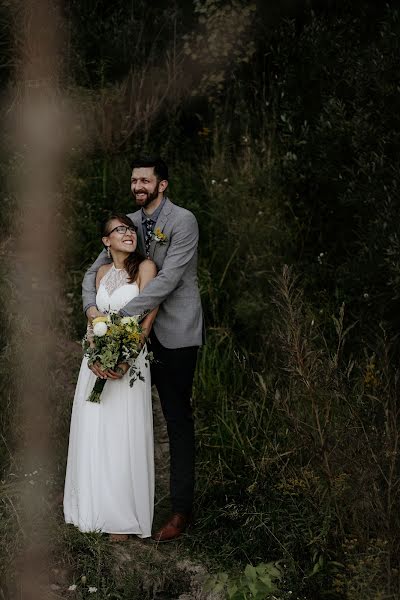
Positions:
{"x": 168, "y": 234}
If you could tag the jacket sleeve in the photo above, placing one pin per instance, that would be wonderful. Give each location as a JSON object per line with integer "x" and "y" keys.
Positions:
{"x": 89, "y": 281}
{"x": 182, "y": 248}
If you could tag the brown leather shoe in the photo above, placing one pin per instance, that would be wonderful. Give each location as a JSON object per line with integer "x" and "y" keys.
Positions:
{"x": 173, "y": 528}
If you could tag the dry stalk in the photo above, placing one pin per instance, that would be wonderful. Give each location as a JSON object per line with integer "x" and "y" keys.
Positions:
{"x": 309, "y": 368}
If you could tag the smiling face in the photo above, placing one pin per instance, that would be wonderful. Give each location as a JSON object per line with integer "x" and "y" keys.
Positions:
{"x": 146, "y": 188}
{"x": 121, "y": 237}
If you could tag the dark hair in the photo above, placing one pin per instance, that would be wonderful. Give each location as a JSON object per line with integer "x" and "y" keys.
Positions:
{"x": 133, "y": 260}
{"x": 159, "y": 166}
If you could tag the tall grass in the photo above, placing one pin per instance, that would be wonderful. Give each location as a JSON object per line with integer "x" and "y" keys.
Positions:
{"x": 301, "y": 463}
{"x": 296, "y": 399}
{"x": 297, "y": 437}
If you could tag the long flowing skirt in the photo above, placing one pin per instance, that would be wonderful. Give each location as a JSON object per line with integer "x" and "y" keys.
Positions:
{"x": 109, "y": 483}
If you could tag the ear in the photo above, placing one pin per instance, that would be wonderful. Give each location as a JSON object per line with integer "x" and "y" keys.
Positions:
{"x": 105, "y": 241}
{"x": 162, "y": 186}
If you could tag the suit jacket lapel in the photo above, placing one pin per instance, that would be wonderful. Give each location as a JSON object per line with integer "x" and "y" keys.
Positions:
{"x": 160, "y": 224}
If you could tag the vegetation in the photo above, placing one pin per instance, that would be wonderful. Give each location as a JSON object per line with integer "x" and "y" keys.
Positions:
{"x": 283, "y": 139}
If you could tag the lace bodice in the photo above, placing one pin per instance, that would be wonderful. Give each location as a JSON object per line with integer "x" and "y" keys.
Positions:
{"x": 114, "y": 279}
{"x": 115, "y": 290}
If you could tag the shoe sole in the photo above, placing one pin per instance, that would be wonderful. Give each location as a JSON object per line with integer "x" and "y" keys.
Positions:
{"x": 189, "y": 526}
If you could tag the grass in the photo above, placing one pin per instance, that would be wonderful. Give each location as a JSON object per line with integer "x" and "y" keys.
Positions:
{"x": 296, "y": 405}
{"x": 291, "y": 463}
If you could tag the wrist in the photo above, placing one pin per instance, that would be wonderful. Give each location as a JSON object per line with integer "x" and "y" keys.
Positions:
{"x": 91, "y": 312}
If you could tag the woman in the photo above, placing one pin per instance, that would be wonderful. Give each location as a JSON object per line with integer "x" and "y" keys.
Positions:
{"x": 109, "y": 484}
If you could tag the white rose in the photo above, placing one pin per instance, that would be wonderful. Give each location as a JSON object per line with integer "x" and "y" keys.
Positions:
{"x": 100, "y": 328}
{"x": 126, "y": 320}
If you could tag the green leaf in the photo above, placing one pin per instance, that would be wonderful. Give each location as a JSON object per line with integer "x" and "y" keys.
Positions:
{"x": 250, "y": 572}
{"x": 253, "y": 588}
{"x": 267, "y": 583}
{"x": 209, "y": 583}
{"x": 231, "y": 590}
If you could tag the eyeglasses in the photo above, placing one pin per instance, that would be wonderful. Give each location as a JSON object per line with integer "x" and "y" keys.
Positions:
{"x": 123, "y": 229}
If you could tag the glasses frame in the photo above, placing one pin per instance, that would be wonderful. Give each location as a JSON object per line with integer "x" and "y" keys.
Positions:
{"x": 127, "y": 227}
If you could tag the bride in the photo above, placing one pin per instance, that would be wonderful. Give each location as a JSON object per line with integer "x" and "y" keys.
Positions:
{"x": 109, "y": 485}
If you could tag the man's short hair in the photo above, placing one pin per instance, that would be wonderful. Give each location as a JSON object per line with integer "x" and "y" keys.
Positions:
{"x": 160, "y": 168}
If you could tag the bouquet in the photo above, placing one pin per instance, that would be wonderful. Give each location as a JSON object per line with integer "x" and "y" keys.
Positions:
{"x": 113, "y": 340}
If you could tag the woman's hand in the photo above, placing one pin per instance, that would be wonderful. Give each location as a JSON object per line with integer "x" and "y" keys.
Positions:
{"x": 118, "y": 372}
{"x": 97, "y": 370}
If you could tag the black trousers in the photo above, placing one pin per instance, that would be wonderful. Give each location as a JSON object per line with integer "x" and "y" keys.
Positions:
{"x": 172, "y": 373}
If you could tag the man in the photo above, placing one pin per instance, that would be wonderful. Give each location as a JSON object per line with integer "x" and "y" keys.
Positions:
{"x": 168, "y": 234}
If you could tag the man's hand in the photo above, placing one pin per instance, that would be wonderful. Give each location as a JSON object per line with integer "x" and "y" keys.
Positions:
{"x": 118, "y": 372}
{"x": 93, "y": 312}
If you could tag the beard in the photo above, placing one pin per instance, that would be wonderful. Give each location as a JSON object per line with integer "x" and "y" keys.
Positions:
{"x": 150, "y": 196}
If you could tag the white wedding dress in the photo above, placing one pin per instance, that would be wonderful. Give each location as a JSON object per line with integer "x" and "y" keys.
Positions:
{"x": 109, "y": 483}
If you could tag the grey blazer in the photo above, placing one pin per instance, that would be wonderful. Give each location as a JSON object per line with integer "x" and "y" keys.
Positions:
{"x": 175, "y": 290}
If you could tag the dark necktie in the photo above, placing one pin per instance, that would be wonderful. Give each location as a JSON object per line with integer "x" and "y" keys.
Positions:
{"x": 149, "y": 223}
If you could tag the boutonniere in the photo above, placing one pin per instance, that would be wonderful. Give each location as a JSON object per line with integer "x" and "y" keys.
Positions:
{"x": 159, "y": 236}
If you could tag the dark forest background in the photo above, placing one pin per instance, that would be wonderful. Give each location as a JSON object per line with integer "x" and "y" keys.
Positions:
{"x": 281, "y": 126}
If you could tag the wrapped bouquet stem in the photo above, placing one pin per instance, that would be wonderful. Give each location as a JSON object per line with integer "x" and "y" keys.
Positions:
{"x": 112, "y": 341}
{"x": 98, "y": 387}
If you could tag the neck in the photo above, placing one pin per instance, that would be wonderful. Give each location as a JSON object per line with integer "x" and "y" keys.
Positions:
{"x": 153, "y": 205}
{"x": 119, "y": 259}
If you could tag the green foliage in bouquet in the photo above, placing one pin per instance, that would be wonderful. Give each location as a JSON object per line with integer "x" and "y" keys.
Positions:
{"x": 113, "y": 340}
